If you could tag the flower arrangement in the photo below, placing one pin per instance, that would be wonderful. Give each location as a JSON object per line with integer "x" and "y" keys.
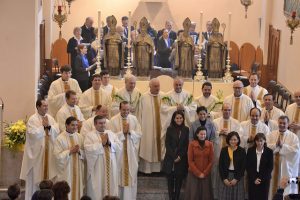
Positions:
{"x": 169, "y": 101}
{"x": 217, "y": 104}
{"x": 15, "y": 134}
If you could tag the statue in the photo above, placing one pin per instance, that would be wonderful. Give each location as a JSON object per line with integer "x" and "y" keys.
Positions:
{"x": 215, "y": 52}
{"x": 113, "y": 48}
{"x": 143, "y": 49}
{"x": 184, "y": 52}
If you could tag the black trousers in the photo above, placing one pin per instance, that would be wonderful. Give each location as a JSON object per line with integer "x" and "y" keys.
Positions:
{"x": 258, "y": 192}
{"x": 174, "y": 185}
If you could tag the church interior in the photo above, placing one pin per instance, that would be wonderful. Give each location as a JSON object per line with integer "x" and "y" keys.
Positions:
{"x": 259, "y": 37}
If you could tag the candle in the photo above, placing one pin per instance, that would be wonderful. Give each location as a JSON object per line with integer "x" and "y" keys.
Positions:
{"x": 129, "y": 28}
{"x": 229, "y": 29}
{"x": 99, "y": 28}
{"x": 200, "y": 33}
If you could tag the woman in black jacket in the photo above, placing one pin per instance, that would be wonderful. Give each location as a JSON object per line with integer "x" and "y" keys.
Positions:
{"x": 82, "y": 68}
{"x": 73, "y": 43}
{"x": 259, "y": 167}
{"x": 175, "y": 162}
{"x": 232, "y": 167}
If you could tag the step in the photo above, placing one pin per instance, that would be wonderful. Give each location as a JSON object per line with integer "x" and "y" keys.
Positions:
{"x": 154, "y": 188}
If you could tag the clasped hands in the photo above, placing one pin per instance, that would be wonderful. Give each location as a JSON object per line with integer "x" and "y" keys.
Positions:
{"x": 104, "y": 139}
{"x": 294, "y": 126}
{"x": 74, "y": 149}
{"x": 230, "y": 183}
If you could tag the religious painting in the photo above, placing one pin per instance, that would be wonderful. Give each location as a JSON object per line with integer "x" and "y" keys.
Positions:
{"x": 291, "y": 6}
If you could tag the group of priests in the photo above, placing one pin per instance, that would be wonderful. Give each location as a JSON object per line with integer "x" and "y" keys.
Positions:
{"x": 98, "y": 140}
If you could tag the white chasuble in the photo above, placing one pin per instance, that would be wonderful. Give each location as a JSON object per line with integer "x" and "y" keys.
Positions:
{"x": 65, "y": 112}
{"x": 102, "y": 164}
{"x": 169, "y": 105}
{"x": 286, "y": 159}
{"x": 242, "y": 109}
{"x": 250, "y": 129}
{"x": 294, "y": 116}
{"x": 152, "y": 148}
{"x": 38, "y": 159}
{"x": 132, "y": 98}
{"x": 56, "y": 94}
{"x": 91, "y": 99}
{"x": 70, "y": 167}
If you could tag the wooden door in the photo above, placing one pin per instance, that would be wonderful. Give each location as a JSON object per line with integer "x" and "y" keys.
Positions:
{"x": 273, "y": 53}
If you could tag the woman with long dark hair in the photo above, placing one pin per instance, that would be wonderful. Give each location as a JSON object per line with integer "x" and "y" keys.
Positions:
{"x": 259, "y": 167}
{"x": 175, "y": 161}
{"x": 232, "y": 164}
{"x": 200, "y": 160}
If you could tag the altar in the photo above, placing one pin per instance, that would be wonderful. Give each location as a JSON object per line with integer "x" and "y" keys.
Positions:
{"x": 166, "y": 84}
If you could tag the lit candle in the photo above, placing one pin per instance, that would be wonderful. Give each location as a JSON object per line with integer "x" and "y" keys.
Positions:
{"x": 200, "y": 33}
{"x": 129, "y": 28}
{"x": 229, "y": 29}
{"x": 99, "y": 28}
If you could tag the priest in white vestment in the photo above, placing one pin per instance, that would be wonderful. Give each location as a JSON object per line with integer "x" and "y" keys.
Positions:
{"x": 128, "y": 130}
{"x": 88, "y": 125}
{"x": 240, "y": 103}
{"x": 293, "y": 112}
{"x": 93, "y": 97}
{"x": 254, "y": 91}
{"x": 69, "y": 154}
{"x": 102, "y": 149}
{"x": 38, "y": 159}
{"x": 285, "y": 145}
{"x": 178, "y": 99}
{"x": 130, "y": 94}
{"x": 223, "y": 125}
{"x": 209, "y": 101}
{"x": 269, "y": 113}
{"x": 69, "y": 109}
{"x": 152, "y": 148}
{"x": 58, "y": 88}
{"x": 251, "y": 127}
{"x": 105, "y": 85}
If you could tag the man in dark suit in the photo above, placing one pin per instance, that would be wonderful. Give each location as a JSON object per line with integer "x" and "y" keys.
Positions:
{"x": 106, "y": 28}
{"x": 125, "y": 27}
{"x": 164, "y": 48}
{"x": 87, "y": 31}
{"x": 193, "y": 32}
{"x": 168, "y": 26}
{"x": 208, "y": 32}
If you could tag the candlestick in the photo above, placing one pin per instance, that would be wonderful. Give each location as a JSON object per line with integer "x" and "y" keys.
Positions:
{"x": 128, "y": 71}
{"x": 98, "y": 70}
{"x": 229, "y": 30}
{"x": 129, "y": 29}
{"x": 200, "y": 33}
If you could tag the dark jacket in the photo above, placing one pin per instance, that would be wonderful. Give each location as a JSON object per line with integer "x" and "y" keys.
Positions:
{"x": 176, "y": 146}
{"x": 172, "y": 34}
{"x": 88, "y": 35}
{"x": 163, "y": 52}
{"x": 239, "y": 163}
{"x": 80, "y": 73}
{"x": 265, "y": 167}
{"x": 72, "y": 44}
